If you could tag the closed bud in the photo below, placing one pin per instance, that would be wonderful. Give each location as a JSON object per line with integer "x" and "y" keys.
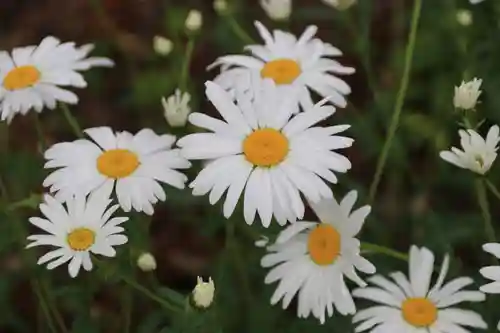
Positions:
{"x": 146, "y": 262}
{"x": 194, "y": 20}
{"x": 203, "y": 293}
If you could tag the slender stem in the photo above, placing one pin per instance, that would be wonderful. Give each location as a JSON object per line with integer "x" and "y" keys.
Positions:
{"x": 482, "y": 200}
{"x": 384, "y": 250}
{"x": 233, "y": 251}
{"x": 3, "y": 189}
{"x": 39, "y": 130}
{"x": 187, "y": 62}
{"x": 43, "y": 305}
{"x": 127, "y": 303}
{"x": 239, "y": 31}
{"x": 35, "y": 283}
{"x": 150, "y": 294}
{"x": 467, "y": 123}
{"x": 44, "y": 288}
{"x": 398, "y": 107}
{"x": 493, "y": 189}
{"x": 73, "y": 123}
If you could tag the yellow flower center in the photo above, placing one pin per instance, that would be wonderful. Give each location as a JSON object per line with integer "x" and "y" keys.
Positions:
{"x": 419, "y": 312}
{"x": 265, "y": 147}
{"x": 282, "y": 71}
{"x": 81, "y": 239}
{"x": 117, "y": 163}
{"x": 324, "y": 244}
{"x": 21, "y": 77}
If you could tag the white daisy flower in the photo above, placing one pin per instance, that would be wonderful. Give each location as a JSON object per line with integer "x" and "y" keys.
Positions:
{"x": 31, "y": 76}
{"x": 410, "y": 306}
{"x": 492, "y": 272}
{"x": 135, "y": 163}
{"x": 295, "y": 66}
{"x": 312, "y": 258}
{"x": 258, "y": 150}
{"x": 84, "y": 227}
{"x": 478, "y": 154}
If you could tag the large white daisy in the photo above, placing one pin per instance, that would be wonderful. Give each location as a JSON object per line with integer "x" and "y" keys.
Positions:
{"x": 30, "y": 77}
{"x": 295, "y": 65}
{"x": 412, "y": 306}
{"x": 312, "y": 259}
{"x": 136, "y": 163}
{"x": 84, "y": 227}
{"x": 492, "y": 272}
{"x": 258, "y": 149}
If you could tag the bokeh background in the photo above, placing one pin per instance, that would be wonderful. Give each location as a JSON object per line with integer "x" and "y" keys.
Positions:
{"x": 421, "y": 200}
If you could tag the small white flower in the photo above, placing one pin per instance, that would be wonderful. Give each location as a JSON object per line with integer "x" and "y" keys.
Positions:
{"x": 277, "y": 10}
{"x": 84, "y": 227}
{"x": 135, "y": 163}
{"x": 412, "y": 306}
{"x": 464, "y": 17}
{"x": 31, "y": 77}
{"x": 466, "y": 94}
{"x": 162, "y": 46}
{"x": 340, "y": 4}
{"x": 262, "y": 154}
{"x": 146, "y": 262}
{"x": 311, "y": 259}
{"x": 203, "y": 292}
{"x": 194, "y": 20}
{"x": 478, "y": 154}
{"x": 176, "y": 108}
{"x": 475, "y": 1}
{"x": 220, "y": 6}
{"x": 296, "y": 65}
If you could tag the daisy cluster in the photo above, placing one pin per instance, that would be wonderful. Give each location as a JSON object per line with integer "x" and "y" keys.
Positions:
{"x": 267, "y": 150}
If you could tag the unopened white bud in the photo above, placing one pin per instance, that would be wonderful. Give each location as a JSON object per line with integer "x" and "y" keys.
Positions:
{"x": 162, "y": 46}
{"x": 278, "y": 10}
{"x": 464, "y": 17}
{"x": 146, "y": 262}
{"x": 194, "y": 20}
{"x": 220, "y": 6}
{"x": 176, "y": 108}
{"x": 467, "y": 94}
{"x": 203, "y": 292}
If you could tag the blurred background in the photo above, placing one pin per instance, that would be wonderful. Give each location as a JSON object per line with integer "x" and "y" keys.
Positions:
{"x": 421, "y": 199}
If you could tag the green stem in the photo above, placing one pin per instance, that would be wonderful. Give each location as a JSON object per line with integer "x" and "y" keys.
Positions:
{"x": 36, "y": 285}
{"x": 482, "y": 200}
{"x": 185, "y": 65}
{"x": 370, "y": 247}
{"x": 39, "y": 130}
{"x": 150, "y": 294}
{"x": 43, "y": 305}
{"x": 398, "y": 107}
{"x": 467, "y": 123}
{"x": 53, "y": 307}
{"x": 233, "y": 252}
{"x": 239, "y": 31}
{"x": 127, "y": 302}
{"x": 493, "y": 189}
{"x": 73, "y": 123}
